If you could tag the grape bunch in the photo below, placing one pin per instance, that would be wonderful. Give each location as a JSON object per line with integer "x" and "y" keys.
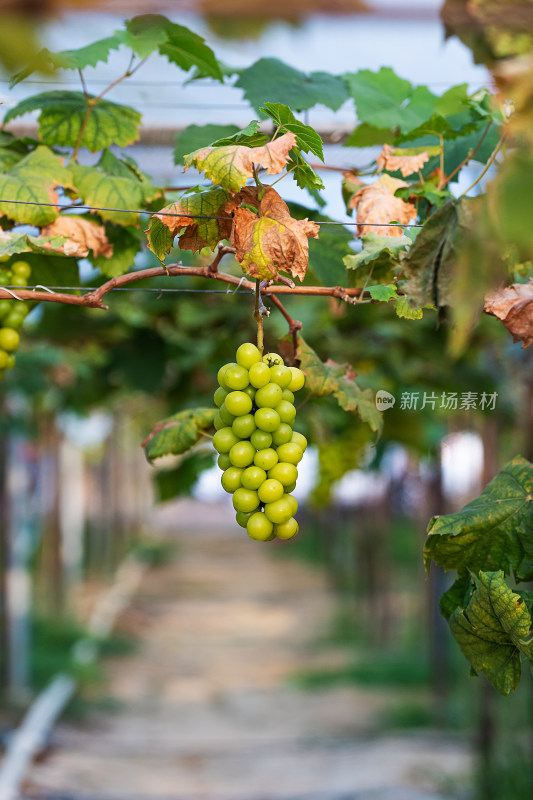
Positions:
{"x": 258, "y": 449}
{"x": 12, "y": 313}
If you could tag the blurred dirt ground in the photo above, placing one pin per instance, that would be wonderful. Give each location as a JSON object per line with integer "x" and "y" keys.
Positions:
{"x": 206, "y": 704}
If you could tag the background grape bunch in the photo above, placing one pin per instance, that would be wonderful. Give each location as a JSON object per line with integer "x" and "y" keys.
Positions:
{"x": 258, "y": 449}
{"x": 12, "y": 312}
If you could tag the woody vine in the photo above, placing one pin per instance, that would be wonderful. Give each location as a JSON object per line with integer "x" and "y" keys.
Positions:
{"x": 419, "y": 247}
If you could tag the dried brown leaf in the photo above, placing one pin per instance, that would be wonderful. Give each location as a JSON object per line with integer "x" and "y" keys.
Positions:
{"x": 82, "y": 236}
{"x": 514, "y": 306}
{"x": 390, "y": 160}
{"x": 376, "y": 204}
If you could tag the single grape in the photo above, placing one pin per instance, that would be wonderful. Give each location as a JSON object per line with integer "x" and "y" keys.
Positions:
{"x": 22, "y": 310}
{"x": 238, "y": 403}
{"x": 280, "y": 375}
{"x": 21, "y": 268}
{"x": 236, "y": 378}
{"x": 290, "y": 488}
{"x": 14, "y": 321}
{"x": 282, "y": 435}
{"x": 218, "y": 422}
{"x": 219, "y": 396}
{"x": 244, "y": 426}
{"x": 10, "y": 362}
{"x": 259, "y": 375}
{"x": 297, "y": 380}
{"x": 261, "y": 439}
{"x": 223, "y": 440}
{"x": 287, "y": 395}
{"x": 294, "y": 503}
{"x": 259, "y": 527}
{"x": 242, "y": 454}
{"x": 285, "y": 473}
{"x": 231, "y": 479}
{"x": 266, "y": 459}
{"x": 221, "y": 374}
{"x": 225, "y": 415}
{"x": 290, "y": 452}
{"x": 248, "y": 354}
{"x": 242, "y": 517}
{"x": 245, "y": 500}
{"x": 270, "y": 491}
{"x": 300, "y": 440}
{"x": 250, "y": 391}
{"x": 286, "y": 411}
{"x": 278, "y": 511}
{"x": 268, "y": 396}
{"x": 4, "y": 359}
{"x": 224, "y": 462}
{"x": 19, "y": 280}
{"x": 266, "y": 419}
{"x": 9, "y": 339}
{"x": 286, "y": 530}
{"x": 253, "y": 477}
{"x": 5, "y": 306}
{"x": 272, "y": 359}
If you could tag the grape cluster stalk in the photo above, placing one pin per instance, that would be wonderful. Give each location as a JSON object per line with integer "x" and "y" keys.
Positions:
{"x": 12, "y": 312}
{"x": 258, "y": 448}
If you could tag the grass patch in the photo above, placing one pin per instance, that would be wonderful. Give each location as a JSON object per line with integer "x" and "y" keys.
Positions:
{"x": 381, "y": 669}
{"x": 407, "y": 715}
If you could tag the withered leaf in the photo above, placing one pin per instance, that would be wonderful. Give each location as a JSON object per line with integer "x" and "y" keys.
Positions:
{"x": 376, "y": 203}
{"x": 82, "y": 234}
{"x": 394, "y": 160}
{"x": 231, "y": 166}
{"x": 514, "y": 306}
{"x": 271, "y": 240}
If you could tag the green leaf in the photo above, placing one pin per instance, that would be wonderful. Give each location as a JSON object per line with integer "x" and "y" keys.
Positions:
{"x": 53, "y": 270}
{"x": 270, "y": 78}
{"x": 494, "y": 531}
{"x": 305, "y": 176}
{"x": 250, "y": 136}
{"x": 366, "y": 135}
{"x": 403, "y": 309}
{"x": 337, "y": 379}
{"x": 62, "y": 115}
{"x": 180, "y": 45}
{"x": 326, "y": 252}
{"x": 126, "y": 244}
{"x": 307, "y": 139}
{"x": 13, "y": 242}
{"x": 380, "y": 255}
{"x": 177, "y": 434}
{"x": 493, "y": 631}
{"x": 194, "y": 137}
{"x": 171, "y": 483}
{"x": 457, "y": 596}
{"x": 386, "y": 101}
{"x": 34, "y": 179}
{"x": 382, "y": 292}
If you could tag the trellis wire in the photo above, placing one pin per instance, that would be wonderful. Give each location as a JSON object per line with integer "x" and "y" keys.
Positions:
{"x": 167, "y": 290}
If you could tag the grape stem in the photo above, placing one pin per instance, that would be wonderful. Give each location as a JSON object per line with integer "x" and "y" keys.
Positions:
{"x": 294, "y": 326}
{"x": 258, "y": 314}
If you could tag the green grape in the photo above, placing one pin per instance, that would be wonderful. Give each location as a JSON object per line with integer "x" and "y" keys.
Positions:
{"x": 221, "y": 374}
{"x": 266, "y": 419}
{"x": 278, "y": 511}
{"x": 236, "y": 378}
{"x": 248, "y": 354}
{"x": 290, "y": 452}
{"x": 245, "y": 500}
{"x": 19, "y": 280}
{"x": 282, "y": 435}
{"x": 14, "y": 321}
{"x": 10, "y": 362}
{"x": 280, "y": 375}
{"x": 218, "y": 422}
{"x": 223, "y": 462}
{"x": 266, "y": 459}
{"x": 238, "y": 403}
{"x": 225, "y": 415}
{"x": 231, "y": 479}
{"x": 242, "y": 454}
{"x": 219, "y": 396}
{"x": 270, "y": 491}
{"x": 4, "y": 359}
{"x": 22, "y": 310}
{"x": 300, "y": 440}
{"x": 286, "y": 530}
{"x": 5, "y": 306}
{"x": 287, "y": 395}
{"x": 244, "y": 426}
{"x": 290, "y": 488}
{"x": 223, "y": 440}
{"x": 268, "y": 396}
{"x": 242, "y": 517}
{"x": 21, "y": 268}
{"x": 297, "y": 380}
{"x": 253, "y": 477}
{"x": 261, "y": 439}
{"x": 259, "y": 527}
{"x": 285, "y": 473}
{"x": 250, "y": 391}
{"x": 259, "y": 375}
{"x": 294, "y": 503}
{"x": 272, "y": 359}
{"x": 286, "y": 411}
{"x": 9, "y": 339}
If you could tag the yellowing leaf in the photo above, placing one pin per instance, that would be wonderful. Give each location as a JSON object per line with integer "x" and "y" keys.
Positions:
{"x": 177, "y": 434}
{"x": 377, "y": 204}
{"x": 514, "y": 306}
{"x": 393, "y": 160}
{"x": 271, "y": 240}
{"x": 81, "y": 236}
{"x": 231, "y": 166}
